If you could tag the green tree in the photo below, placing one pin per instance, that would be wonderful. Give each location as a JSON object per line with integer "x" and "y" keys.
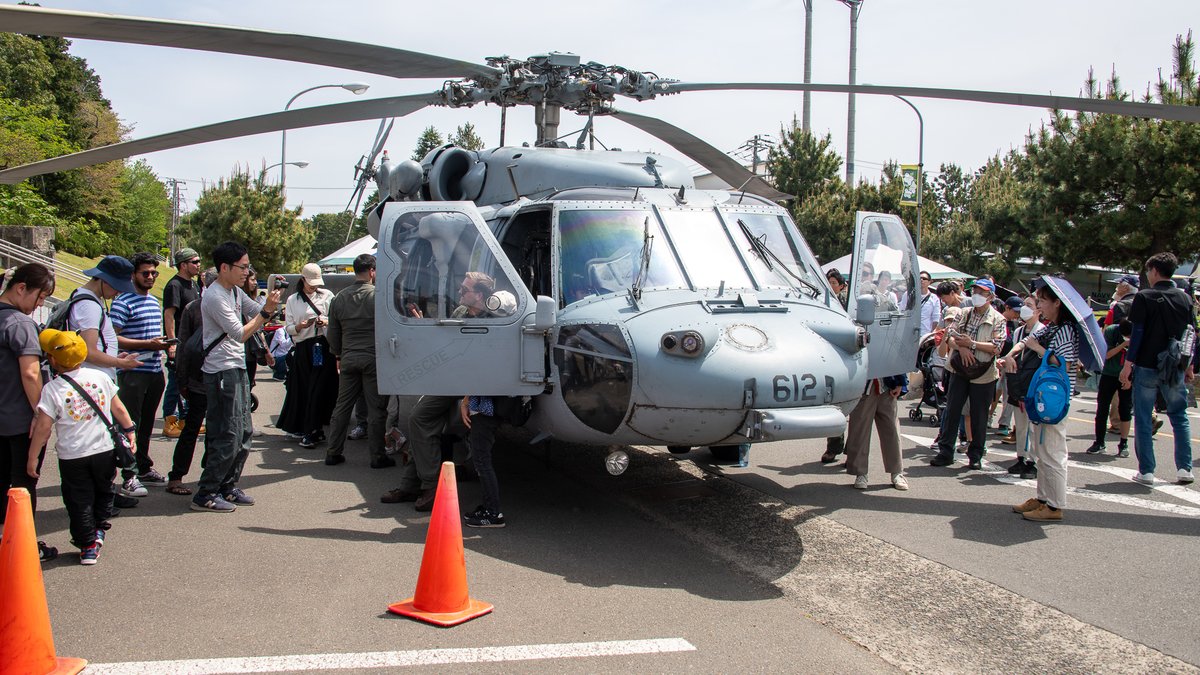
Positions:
{"x": 428, "y": 140}
{"x": 250, "y": 210}
{"x": 139, "y": 221}
{"x": 329, "y": 233}
{"x": 1119, "y": 189}
{"x": 801, "y": 164}
{"x": 465, "y": 137}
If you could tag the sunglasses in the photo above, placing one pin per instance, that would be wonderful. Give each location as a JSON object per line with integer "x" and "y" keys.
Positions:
{"x": 192, "y": 262}
{"x": 149, "y": 274}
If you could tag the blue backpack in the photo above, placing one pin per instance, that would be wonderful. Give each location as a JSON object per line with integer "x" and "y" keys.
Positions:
{"x": 1049, "y": 396}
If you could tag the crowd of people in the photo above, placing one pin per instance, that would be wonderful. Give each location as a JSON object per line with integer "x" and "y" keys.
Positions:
{"x": 984, "y": 352}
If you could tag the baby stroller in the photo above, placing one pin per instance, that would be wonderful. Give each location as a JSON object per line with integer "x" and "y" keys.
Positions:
{"x": 933, "y": 391}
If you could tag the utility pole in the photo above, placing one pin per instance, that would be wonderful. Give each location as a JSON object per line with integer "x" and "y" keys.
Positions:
{"x": 806, "y": 114}
{"x": 855, "y": 9}
{"x": 173, "y": 237}
{"x": 754, "y": 145}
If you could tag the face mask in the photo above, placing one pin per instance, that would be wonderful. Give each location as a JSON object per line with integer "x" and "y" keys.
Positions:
{"x": 979, "y": 300}
{"x": 1026, "y": 312}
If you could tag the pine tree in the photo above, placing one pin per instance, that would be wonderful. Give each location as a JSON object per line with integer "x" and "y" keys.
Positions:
{"x": 428, "y": 140}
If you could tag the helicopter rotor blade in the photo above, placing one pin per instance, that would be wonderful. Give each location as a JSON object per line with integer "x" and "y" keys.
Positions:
{"x": 232, "y": 40}
{"x": 380, "y": 139}
{"x": 396, "y": 106}
{"x": 1179, "y": 113}
{"x": 720, "y": 164}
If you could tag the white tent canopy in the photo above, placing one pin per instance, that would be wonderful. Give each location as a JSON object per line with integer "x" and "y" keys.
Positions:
{"x": 936, "y": 270}
{"x": 344, "y": 256}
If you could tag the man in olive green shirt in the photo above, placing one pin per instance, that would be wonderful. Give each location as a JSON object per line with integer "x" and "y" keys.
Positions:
{"x": 351, "y": 335}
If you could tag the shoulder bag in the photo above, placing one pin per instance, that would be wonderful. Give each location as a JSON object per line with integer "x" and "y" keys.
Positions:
{"x": 121, "y": 451}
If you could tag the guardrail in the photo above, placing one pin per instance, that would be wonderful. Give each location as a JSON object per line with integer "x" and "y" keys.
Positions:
{"x": 24, "y": 255}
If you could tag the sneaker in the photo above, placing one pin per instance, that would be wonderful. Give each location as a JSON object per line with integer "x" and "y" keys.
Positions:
{"x": 100, "y": 538}
{"x": 861, "y": 483}
{"x": 152, "y": 477}
{"x": 899, "y": 481}
{"x": 172, "y": 426}
{"x": 213, "y": 503}
{"x": 1003, "y": 430}
{"x": 399, "y": 495}
{"x": 46, "y": 553}
{"x": 383, "y": 462}
{"x": 334, "y": 460}
{"x": 484, "y": 518}
{"x": 1045, "y": 514}
{"x": 294, "y": 437}
{"x": 941, "y": 461}
{"x": 1010, "y": 439}
{"x": 1095, "y": 448}
{"x": 357, "y": 433}
{"x": 1018, "y": 467}
{"x": 89, "y": 555}
{"x": 1144, "y": 478}
{"x": 120, "y": 501}
{"x": 975, "y": 465}
{"x": 132, "y": 487}
{"x": 829, "y": 457}
{"x": 1184, "y": 477}
{"x": 1031, "y": 504}
{"x": 308, "y": 441}
{"x": 1122, "y": 451}
{"x": 239, "y": 498}
{"x": 1158, "y": 423}
{"x": 1030, "y": 472}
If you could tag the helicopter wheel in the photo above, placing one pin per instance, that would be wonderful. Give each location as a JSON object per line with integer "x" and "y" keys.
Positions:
{"x": 616, "y": 462}
{"x": 679, "y": 449}
{"x": 724, "y": 453}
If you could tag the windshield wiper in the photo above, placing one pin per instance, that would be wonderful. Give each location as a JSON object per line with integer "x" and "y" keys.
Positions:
{"x": 766, "y": 255}
{"x": 644, "y": 263}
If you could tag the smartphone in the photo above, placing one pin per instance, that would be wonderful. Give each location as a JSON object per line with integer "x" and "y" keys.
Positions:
{"x": 170, "y": 341}
{"x": 146, "y": 356}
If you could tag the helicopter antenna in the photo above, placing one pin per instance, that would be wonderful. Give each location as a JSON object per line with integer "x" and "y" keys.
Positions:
{"x": 742, "y": 189}
{"x": 644, "y": 263}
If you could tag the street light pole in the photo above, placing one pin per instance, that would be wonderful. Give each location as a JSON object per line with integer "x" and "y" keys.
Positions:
{"x": 920, "y": 165}
{"x": 298, "y": 164}
{"x": 855, "y": 8}
{"x": 355, "y": 88}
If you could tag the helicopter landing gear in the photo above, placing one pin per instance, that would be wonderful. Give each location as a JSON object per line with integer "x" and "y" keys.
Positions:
{"x": 679, "y": 449}
{"x": 616, "y": 462}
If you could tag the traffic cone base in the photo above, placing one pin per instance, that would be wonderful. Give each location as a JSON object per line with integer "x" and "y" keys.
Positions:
{"x": 475, "y": 608}
{"x": 441, "y": 597}
{"x": 67, "y": 666}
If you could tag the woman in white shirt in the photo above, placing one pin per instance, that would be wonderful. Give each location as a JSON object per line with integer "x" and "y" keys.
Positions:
{"x": 312, "y": 379}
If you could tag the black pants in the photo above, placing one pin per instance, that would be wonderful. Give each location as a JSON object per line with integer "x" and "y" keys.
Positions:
{"x": 87, "y": 493}
{"x": 481, "y": 439}
{"x": 958, "y": 390}
{"x": 14, "y": 453}
{"x": 185, "y": 446}
{"x": 1110, "y": 385}
{"x": 141, "y": 392}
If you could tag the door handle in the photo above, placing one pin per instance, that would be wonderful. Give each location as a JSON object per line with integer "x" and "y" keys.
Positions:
{"x": 393, "y": 344}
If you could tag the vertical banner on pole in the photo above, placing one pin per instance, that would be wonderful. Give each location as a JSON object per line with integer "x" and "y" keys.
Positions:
{"x": 908, "y": 187}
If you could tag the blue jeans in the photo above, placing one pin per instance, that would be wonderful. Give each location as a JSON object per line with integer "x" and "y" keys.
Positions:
{"x": 172, "y": 401}
{"x": 228, "y": 431}
{"x": 1146, "y": 388}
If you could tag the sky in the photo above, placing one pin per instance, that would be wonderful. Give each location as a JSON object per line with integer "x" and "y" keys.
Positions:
{"x": 1031, "y": 46}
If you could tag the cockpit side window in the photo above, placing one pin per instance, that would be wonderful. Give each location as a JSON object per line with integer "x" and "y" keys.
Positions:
{"x": 448, "y": 272}
{"x": 602, "y": 251}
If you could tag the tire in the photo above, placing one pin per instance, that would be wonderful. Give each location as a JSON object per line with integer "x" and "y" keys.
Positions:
{"x": 679, "y": 449}
{"x": 724, "y": 453}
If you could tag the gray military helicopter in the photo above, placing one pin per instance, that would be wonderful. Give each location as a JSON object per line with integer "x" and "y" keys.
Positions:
{"x": 631, "y": 306}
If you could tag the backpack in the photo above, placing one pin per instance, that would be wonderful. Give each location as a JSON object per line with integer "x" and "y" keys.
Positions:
{"x": 189, "y": 361}
{"x": 60, "y": 316}
{"x": 1049, "y": 397}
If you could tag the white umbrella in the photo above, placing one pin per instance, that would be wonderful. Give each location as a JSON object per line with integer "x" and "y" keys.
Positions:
{"x": 936, "y": 270}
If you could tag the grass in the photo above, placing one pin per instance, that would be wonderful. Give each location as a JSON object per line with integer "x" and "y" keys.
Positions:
{"x": 63, "y": 286}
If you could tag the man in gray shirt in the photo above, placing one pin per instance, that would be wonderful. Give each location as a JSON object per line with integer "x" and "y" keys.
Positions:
{"x": 228, "y": 417}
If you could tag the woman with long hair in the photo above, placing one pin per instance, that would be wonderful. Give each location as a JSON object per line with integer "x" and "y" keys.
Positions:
{"x": 1048, "y": 442}
{"x": 21, "y": 377}
{"x": 312, "y": 380}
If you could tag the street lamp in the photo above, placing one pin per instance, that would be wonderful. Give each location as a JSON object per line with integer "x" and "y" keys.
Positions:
{"x": 298, "y": 165}
{"x": 355, "y": 88}
{"x": 920, "y": 164}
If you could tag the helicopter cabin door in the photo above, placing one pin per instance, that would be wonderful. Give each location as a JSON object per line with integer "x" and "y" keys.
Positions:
{"x": 885, "y": 266}
{"x": 451, "y": 315}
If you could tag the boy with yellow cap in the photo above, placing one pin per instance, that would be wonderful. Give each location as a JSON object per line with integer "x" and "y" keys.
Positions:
{"x": 85, "y": 448}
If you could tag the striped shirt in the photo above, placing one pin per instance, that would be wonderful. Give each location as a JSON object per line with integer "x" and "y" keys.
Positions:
{"x": 139, "y": 317}
{"x": 1064, "y": 341}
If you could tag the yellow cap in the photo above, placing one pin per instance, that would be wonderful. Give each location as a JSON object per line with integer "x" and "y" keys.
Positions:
{"x": 66, "y": 348}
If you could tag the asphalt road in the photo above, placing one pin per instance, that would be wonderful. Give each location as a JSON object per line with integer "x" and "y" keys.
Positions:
{"x": 679, "y": 564}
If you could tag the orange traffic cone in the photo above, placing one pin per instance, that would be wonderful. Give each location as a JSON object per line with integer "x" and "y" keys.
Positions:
{"x": 441, "y": 597}
{"x": 26, "y": 644}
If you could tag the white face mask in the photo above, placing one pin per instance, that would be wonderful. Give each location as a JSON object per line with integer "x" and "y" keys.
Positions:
{"x": 979, "y": 300}
{"x": 1026, "y": 312}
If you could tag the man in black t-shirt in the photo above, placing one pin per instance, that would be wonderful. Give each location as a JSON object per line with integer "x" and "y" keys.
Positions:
{"x": 1157, "y": 364}
{"x": 183, "y": 288}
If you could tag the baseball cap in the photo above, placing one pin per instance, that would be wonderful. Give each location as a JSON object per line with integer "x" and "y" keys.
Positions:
{"x": 1014, "y": 302}
{"x": 312, "y": 274}
{"x": 115, "y": 271}
{"x": 1131, "y": 279}
{"x": 185, "y": 254}
{"x": 65, "y": 347}
{"x": 985, "y": 283}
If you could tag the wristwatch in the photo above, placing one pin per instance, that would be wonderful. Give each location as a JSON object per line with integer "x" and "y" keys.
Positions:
{"x": 264, "y": 314}
{"x": 128, "y": 430}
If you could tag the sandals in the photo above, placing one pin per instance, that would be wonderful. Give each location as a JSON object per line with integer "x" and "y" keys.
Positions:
{"x": 177, "y": 488}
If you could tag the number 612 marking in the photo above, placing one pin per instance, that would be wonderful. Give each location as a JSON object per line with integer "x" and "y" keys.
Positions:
{"x": 788, "y": 387}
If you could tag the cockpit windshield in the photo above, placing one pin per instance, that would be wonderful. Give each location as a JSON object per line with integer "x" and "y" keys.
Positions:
{"x": 703, "y": 246}
{"x": 603, "y": 251}
{"x": 777, "y": 259}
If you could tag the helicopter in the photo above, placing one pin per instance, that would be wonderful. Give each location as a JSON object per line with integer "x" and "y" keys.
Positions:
{"x": 630, "y": 306}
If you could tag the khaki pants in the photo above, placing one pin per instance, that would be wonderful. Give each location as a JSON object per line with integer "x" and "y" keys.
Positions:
{"x": 880, "y": 409}
{"x": 1048, "y": 442}
{"x": 1021, "y": 432}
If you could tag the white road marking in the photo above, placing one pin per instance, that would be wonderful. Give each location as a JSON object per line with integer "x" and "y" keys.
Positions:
{"x": 1178, "y": 491}
{"x": 425, "y": 657}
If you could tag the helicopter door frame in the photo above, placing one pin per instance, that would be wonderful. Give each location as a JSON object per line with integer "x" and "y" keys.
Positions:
{"x": 883, "y": 241}
{"x": 424, "y": 347}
